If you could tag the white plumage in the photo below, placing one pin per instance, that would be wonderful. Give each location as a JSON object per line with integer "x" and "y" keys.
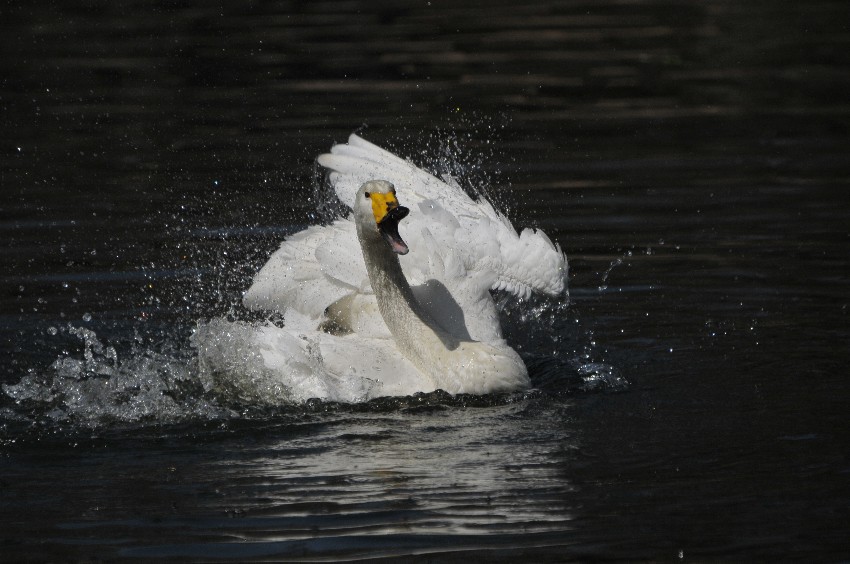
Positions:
{"x": 335, "y": 343}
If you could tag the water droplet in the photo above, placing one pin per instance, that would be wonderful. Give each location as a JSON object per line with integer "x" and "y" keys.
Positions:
{"x": 87, "y": 316}
{"x": 52, "y": 330}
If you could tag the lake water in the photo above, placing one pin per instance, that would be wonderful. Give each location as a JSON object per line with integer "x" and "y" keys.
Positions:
{"x": 690, "y": 402}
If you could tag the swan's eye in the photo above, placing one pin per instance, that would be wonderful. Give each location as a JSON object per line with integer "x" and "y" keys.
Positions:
{"x": 367, "y": 194}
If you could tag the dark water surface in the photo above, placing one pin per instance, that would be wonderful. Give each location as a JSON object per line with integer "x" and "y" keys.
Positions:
{"x": 691, "y": 159}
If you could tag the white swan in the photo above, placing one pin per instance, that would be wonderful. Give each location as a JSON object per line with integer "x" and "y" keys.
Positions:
{"x": 361, "y": 323}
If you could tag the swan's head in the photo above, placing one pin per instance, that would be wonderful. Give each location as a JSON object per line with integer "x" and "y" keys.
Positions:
{"x": 376, "y": 202}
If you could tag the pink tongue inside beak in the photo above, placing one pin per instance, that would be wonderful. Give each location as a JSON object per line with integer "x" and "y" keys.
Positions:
{"x": 389, "y": 229}
{"x": 398, "y": 246}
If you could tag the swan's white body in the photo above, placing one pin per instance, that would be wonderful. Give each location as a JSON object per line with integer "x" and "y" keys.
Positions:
{"x": 360, "y": 322}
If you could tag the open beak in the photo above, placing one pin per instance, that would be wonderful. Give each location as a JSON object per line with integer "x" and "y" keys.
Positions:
{"x": 388, "y": 227}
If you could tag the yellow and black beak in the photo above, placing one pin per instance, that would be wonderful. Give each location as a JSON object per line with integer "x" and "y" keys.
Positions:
{"x": 387, "y": 214}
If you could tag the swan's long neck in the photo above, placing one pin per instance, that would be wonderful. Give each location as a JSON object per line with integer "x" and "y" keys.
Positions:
{"x": 414, "y": 330}
{"x": 451, "y": 364}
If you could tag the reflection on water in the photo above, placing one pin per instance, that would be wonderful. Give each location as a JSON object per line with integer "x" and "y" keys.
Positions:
{"x": 691, "y": 160}
{"x": 431, "y": 478}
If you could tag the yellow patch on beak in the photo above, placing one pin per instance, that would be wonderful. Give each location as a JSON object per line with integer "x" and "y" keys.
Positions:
{"x": 382, "y": 204}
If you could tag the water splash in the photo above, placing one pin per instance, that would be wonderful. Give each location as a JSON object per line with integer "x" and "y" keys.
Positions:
{"x": 100, "y": 388}
{"x": 563, "y": 356}
{"x": 614, "y": 263}
{"x": 602, "y": 377}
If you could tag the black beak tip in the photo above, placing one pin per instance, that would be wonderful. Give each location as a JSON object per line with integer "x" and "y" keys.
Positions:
{"x": 398, "y": 213}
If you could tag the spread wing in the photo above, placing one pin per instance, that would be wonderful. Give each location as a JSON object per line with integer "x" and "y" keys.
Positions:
{"x": 483, "y": 238}
{"x": 460, "y": 249}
